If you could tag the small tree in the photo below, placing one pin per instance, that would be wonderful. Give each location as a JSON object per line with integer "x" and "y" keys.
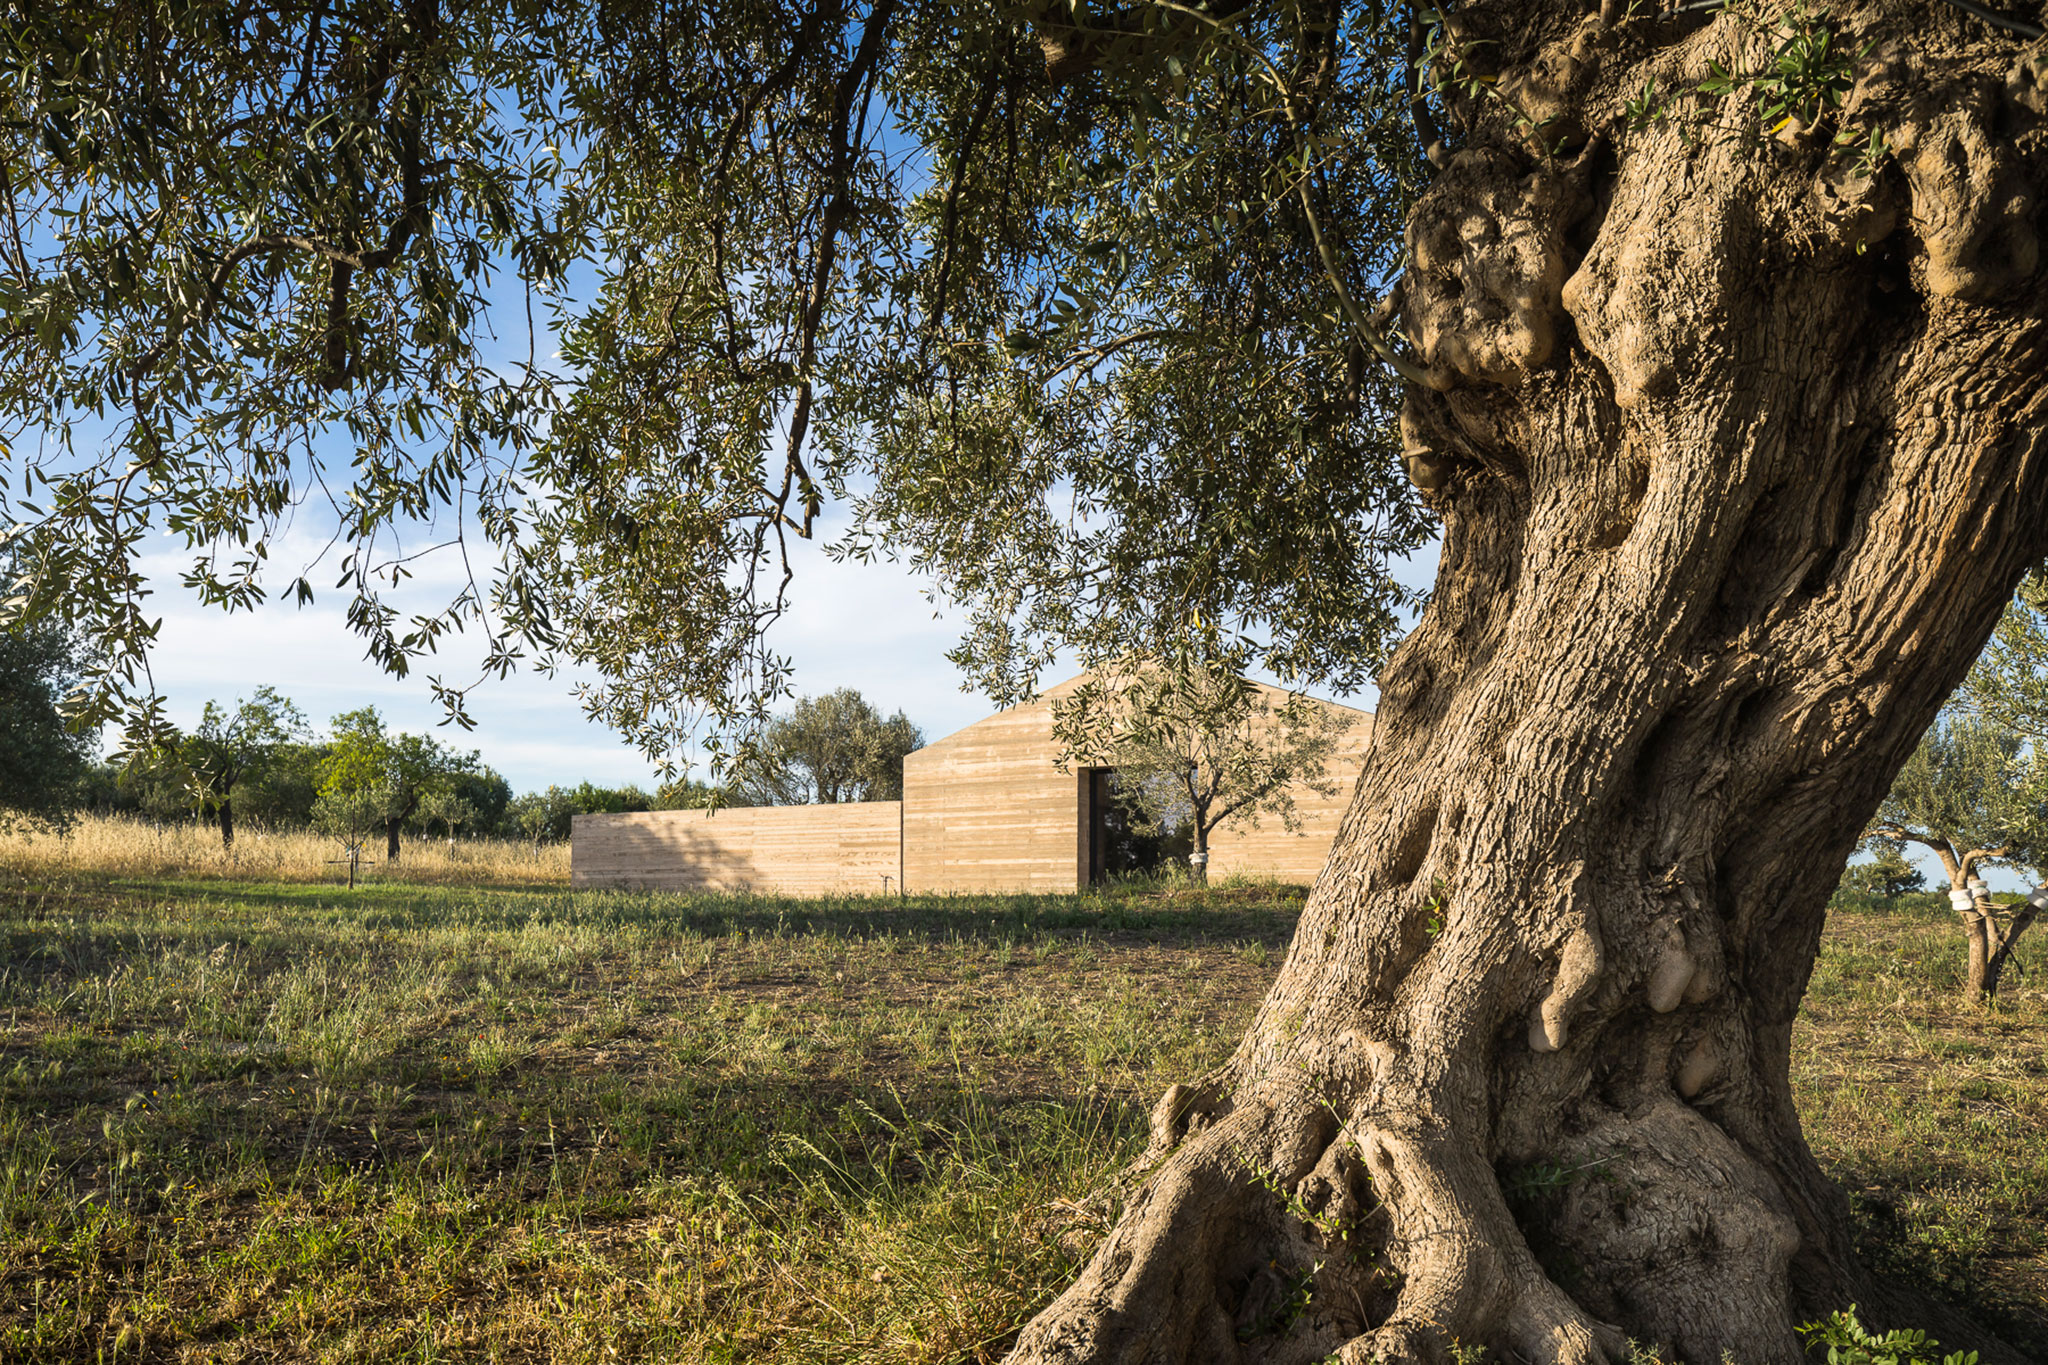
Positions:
{"x": 2008, "y": 686}
{"x": 348, "y": 814}
{"x": 830, "y": 749}
{"x": 1889, "y": 875}
{"x": 451, "y": 809}
{"x": 400, "y": 771}
{"x": 231, "y": 748}
{"x": 1972, "y": 792}
{"x": 1208, "y": 748}
{"x": 42, "y": 763}
{"x": 543, "y": 817}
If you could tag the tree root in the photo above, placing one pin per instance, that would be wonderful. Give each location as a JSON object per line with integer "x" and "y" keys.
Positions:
{"x": 1674, "y": 1229}
{"x": 1469, "y": 1277}
{"x": 1274, "y": 1236}
{"x": 1197, "y": 1259}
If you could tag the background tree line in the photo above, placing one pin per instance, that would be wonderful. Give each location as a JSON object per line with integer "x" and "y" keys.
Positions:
{"x": 1188, "y": 762}
{"x": 258, "y": 762}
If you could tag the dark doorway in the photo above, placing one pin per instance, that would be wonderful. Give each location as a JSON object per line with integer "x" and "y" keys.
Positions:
{"x": 1115, "y": 848}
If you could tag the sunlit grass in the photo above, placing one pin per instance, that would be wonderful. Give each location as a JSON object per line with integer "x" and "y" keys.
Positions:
{"x": 246, "y": 1121}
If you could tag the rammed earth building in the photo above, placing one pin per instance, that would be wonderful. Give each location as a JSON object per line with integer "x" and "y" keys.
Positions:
{"x": 986, "y": 808}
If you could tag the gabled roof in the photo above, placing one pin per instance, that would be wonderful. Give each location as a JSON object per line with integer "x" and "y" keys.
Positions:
{"x": 1044, "y": 701}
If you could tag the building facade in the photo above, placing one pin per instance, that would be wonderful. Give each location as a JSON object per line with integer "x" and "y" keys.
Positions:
{"x": 986, "y": 809}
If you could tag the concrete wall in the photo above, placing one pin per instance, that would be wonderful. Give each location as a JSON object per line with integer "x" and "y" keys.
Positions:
{"x": 795, "y": 850}
{"x": 984, "y": 809}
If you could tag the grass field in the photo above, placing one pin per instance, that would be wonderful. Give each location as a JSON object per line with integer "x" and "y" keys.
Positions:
{"x": 246, "y": 1120}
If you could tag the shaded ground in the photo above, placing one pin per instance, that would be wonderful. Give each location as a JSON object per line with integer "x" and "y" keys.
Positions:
{"x": 261, "y": 1122}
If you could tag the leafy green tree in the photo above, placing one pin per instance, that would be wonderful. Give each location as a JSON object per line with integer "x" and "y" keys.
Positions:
{"x": 544, "y": 817}
{"x": 449, "y": 810}
{"x": 43, "y": 763}
{"x": 1207, "y": 748}
{"x": 587, "y": 798}
{"x": 1976, "y": 794}
{"x": 395, "y": 773}
{"x": 1889, "y": 874}
{"x": 349, "y": 814}
{"x": 829, "y": 749}
{"x": 1155, "y": 327}
{"x": 487, "y": 794}
{"x": 685, "y": 793}
{"x": 2008, "y": 686}
{"x": 547, "y": 817}
{"x": 149, "y": 784}
{"x": 283, "y": 792}
{"x": 229, "y": 750}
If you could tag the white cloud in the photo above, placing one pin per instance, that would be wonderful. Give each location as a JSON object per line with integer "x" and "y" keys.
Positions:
{"x": 865, "y": 626}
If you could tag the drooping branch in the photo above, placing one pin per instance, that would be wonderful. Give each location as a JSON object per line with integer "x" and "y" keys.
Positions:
{"x": 949, "y": 210}
{"x": 1419, "y": 114}
{"x": 858, "y": 77}
{"x": 343, "y": 262}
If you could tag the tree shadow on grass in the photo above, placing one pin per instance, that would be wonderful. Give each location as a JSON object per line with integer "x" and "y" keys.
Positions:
{"x": 540, "y": 1133}
{"x": 1265, "y": 917}
{"x": 989, "y": 920}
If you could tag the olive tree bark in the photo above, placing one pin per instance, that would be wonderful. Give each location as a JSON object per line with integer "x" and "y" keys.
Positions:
{"x": 1738, "y": 459}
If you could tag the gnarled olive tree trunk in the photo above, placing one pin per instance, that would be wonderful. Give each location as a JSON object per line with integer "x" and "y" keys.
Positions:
{"x": 1738, "y": 457}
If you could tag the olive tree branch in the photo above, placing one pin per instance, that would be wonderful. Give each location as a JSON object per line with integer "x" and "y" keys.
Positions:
{"x": 831, "y": 219}
{"x": 1327, "y": 253}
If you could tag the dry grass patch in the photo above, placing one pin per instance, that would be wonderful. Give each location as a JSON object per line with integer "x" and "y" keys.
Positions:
{"x": 100, "y": 846}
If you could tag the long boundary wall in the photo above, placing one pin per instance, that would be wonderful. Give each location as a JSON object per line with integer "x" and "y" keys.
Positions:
{"x": 792, "y": 850}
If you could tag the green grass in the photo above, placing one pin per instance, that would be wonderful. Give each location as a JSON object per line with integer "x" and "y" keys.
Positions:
{"x": 414, "y": 1122}
{"x": 1934, "y": 1116}
{"x": 254, "y": 1122}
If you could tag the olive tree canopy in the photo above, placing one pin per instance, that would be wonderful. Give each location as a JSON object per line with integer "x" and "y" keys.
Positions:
{"x": 1975, "y": 793}
{"x": 838, "y": 747}
{"x": 1069, "y": 347}
{"x": 43, "y": 764}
